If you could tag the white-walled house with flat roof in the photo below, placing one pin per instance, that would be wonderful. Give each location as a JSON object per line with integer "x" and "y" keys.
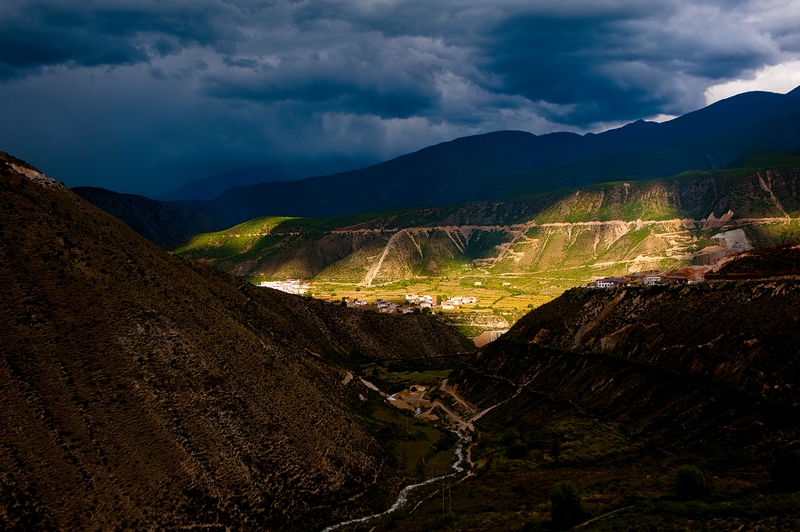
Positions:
{"x": 611, "y": 283}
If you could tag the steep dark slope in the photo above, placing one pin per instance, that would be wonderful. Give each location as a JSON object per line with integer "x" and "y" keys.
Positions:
{"x": 615, "y": 392}
{"x": 710, "y": 370}
{"x": 742, "y": 333}
{"x": 761, "y": 263}
{"x": 143, "y": 391}
{"x": 165, "y": 224}
{"x": 683, "y": 413}
{"x": 507, "y": 163}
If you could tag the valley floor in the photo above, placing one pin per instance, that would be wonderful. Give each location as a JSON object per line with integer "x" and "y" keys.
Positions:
{"x": 514, "y": 460}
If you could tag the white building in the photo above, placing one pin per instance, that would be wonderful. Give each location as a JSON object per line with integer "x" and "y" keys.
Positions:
{"x": 459, "y": 300}
{"x": 611, "y": 283}
{"x": 290, "y": 286}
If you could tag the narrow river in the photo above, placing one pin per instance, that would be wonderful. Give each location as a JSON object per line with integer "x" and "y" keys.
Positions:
{"x": 402, "y": 498}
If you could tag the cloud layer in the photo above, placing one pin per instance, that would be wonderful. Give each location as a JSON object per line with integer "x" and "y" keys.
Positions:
{"x": 142, "y": 95}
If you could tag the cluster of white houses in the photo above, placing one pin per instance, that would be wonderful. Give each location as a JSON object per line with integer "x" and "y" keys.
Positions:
{"x": 455, "y": 302}
{"x": 413, "y": 303}
{"x": 420, "y": 301}
{"x": 381, "y": 305}
{"x": 647, "y": 280}
{"x": 291, "y": 286}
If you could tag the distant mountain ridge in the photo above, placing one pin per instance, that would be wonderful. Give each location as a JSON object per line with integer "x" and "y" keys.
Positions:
{"x": 511, "y": 163}
{"x": 210, "y": 187}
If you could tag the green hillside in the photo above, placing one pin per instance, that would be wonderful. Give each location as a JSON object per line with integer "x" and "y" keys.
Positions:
{"x": 523, "y": 251}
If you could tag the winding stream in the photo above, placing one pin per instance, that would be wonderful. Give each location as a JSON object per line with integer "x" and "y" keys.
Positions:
{"x": 402, "y": 498}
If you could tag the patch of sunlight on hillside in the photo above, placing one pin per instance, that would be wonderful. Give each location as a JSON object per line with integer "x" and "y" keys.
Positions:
{"x": 237, "y": 239}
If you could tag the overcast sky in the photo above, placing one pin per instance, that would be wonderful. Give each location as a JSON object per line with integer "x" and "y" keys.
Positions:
{"x": 144, "y": 95}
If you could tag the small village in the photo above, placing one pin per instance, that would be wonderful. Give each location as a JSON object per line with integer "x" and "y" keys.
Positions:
{"x": 412, "y": 303}
{"x": 290, "y": 286}
{"x": 647, "y": 280}
{"x": 415, "y": 303}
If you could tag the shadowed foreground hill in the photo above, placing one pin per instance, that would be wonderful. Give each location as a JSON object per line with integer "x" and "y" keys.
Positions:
{"x": 140, "y": 390}
{"x": 163, "y": 223}
{"x": 744, "y": 333}
{"x": 713, "y": 363}
{"x": 616, "y": 390}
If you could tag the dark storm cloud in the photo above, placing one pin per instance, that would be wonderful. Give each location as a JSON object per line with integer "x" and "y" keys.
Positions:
{"x": 622, "y": 62}
{"x": 361, "y": 78}
{"x": 606, "y": 60}
{"x": 222, "y": 81}
{"x": 618, "y": 64}
{"x": 574, "y": 63}
{"x": 35, "y": 35}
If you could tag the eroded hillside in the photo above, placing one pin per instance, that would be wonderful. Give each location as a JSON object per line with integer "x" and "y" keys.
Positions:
{"x": 603, "y": 230}
{"x": 141, "y": 390}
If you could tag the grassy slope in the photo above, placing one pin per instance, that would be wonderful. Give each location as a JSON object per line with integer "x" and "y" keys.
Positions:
{"x": 692, "y": 195}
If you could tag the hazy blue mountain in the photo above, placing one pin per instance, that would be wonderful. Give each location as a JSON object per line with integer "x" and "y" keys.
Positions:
{"x": 509, "y": 163}
{"x": 211, "y": 187}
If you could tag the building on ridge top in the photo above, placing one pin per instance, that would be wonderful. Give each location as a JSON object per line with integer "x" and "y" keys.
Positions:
{"x": 653, "y": 280}
{"x": 611, "y": 283}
